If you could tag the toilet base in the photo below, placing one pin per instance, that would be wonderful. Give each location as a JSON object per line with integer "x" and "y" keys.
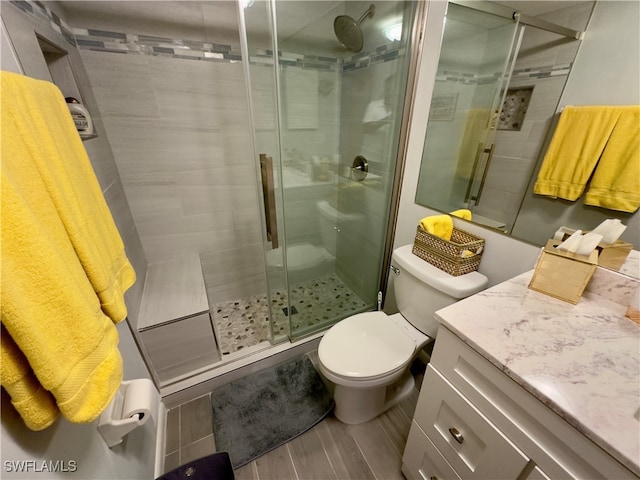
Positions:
{"x": 359, "y": 405}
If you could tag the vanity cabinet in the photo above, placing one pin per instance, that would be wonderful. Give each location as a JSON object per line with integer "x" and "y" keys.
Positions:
{"x": 473, "y": 421}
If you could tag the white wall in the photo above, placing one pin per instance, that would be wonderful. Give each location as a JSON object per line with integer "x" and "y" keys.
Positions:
{"x": 503, "y": 257}
{"x": 611, "y": 45}
{"x": 81, "y": 443}
{"x": 606, "y": 72}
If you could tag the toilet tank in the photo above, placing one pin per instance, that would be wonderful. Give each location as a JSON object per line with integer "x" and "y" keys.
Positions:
{"x": 328, "y": 219}
{"x": 421, "y": 289}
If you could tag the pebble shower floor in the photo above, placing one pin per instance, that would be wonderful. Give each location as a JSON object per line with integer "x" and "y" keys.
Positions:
{"x": 243, "y": 323}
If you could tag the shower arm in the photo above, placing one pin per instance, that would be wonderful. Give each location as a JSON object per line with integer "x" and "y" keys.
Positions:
{"x": 369, "y": 13}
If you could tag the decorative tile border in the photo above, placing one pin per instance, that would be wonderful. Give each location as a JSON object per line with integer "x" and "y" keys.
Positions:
{"x": 381, "y": 54}
{"x": 43, "y": 13}
{"x": 120, "y": 42}
{"x": 544, "y": 71}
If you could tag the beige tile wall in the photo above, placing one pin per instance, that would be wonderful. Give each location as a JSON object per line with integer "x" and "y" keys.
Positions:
{"x": 179, "y": 130}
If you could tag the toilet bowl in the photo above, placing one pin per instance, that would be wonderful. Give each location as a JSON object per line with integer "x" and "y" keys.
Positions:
{"x": 305, "y": 260}
{"x": 300, "y": 256}
{"x": 366, "y": 356}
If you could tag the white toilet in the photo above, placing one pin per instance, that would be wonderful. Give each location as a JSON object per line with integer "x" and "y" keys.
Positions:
{"x": 367, "y": 355}
{"x": 307, "y": 261}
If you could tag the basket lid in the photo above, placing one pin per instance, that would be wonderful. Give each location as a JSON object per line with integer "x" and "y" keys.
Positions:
{"x": 461, "y": 286}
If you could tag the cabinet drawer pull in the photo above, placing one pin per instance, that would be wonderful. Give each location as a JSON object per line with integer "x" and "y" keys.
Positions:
{"x": 457, "y": 436}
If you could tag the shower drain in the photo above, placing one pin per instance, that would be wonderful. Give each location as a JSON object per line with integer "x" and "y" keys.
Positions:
{"x": 294, "y": 310}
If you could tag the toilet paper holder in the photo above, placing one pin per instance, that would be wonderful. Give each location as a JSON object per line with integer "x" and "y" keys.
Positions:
{"x": 117, "y": 420}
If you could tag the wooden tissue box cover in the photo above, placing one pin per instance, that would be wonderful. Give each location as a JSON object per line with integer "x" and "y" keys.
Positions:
{"x": 610, "y": 255}
{"x": 563, "y": 275}
{"x": 613, "y": 255}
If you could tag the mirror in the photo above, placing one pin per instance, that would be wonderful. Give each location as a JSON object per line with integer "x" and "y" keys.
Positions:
{"x": 498, "y": 87}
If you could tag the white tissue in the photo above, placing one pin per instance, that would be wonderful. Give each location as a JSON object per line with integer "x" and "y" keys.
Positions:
{"x": 604, "y": 226}
{"x": 581, "y": 244}
{"x": 588, "y": 243}
{"x": 610, "y": 229}
{"x": 571, "y": 243}
{"x": 140, "y": 398}
{"x": 560, "y": 233}
{"x": 135, "y": 402}
{"x": 614, "y": 233}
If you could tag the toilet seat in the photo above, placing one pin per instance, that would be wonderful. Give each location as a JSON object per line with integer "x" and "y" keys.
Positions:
{"x": 365, "y": 346}
{"x": 299, "y": 257}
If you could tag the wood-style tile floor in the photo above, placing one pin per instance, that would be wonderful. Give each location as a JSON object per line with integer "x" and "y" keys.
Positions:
{"x": 330, "y": 450}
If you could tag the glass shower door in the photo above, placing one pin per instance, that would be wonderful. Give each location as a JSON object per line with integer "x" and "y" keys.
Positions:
{"x": 341, "y": 112}
{"x": 257, "y": 26}
{"x": 332, "y": 128}
{"x": 476, "y": 59}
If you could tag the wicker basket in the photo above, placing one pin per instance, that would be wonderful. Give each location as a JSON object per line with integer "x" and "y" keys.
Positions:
{"x": 450, "y": 255}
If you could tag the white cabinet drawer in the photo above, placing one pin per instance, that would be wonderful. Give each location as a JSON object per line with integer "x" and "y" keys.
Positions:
{"x": 554, "y": 445}
{"x": 470, "y": 443}
{"x": 422, "y": 460}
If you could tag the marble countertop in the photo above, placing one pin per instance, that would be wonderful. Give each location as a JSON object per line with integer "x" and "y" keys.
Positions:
{"x": 582, "y": 361}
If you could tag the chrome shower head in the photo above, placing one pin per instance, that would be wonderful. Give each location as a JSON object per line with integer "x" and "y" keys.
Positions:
{"x": 348, "y": 30}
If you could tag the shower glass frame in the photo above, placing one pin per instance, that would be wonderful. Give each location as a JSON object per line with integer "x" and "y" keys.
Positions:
{"x": 312, "y": 161}
{"x": 266, "y": 143}
{"x": 471, "y": 134}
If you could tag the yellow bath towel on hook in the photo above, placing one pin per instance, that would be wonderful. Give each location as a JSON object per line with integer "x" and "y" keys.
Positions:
{"x": 579, "y": 140}
{"x": 616, "y": 182}
{"x": 64, "y": 269}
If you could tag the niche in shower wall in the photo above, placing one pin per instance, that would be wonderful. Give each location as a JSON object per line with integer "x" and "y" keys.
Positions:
{"x": 543, "y": 64}
{"x": 514, "y": 108}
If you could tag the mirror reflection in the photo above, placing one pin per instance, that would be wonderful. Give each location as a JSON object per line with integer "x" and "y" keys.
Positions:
{"x": 494, "y": 107}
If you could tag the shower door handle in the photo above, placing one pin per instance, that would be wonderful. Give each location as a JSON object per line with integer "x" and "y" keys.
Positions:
{"x": 474, "y": 169}
{"x": 481, "y": 150}
{"x": 484, "y": 173}
{"x": 269, "y": 196}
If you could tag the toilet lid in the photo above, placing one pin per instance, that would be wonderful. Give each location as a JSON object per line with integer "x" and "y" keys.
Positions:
{"x": 365, "y": 345}
{"x": 299, "y": 257}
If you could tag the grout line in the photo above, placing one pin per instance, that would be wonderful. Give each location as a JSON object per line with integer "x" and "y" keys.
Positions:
{"x": 386, "y": 433}
{"x": 293, "y": 464}
{"x": 254, "y": 468}
{"x": 371, "y": 469}
{"x": 180, "y": 435}
{"x": 326, "y": 453}
{"x": 213, "y": 434}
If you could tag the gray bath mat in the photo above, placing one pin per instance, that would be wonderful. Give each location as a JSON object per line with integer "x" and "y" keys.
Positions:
{"x": 260, "y": 412}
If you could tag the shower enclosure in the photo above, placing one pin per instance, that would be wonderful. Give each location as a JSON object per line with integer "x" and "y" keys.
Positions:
{"x": 500, "y": 76}
{"x": 326, "y": 118}
{"x": 258, "y": 155}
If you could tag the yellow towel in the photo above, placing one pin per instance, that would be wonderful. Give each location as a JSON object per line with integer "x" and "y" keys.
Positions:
{"x": 64, "y": 270}
{"x": 36, "y": 405}
{"x": 616, "y": 181}
{"x": 438, "y": 225}
{"x": 463, "y": 213}
{"x": 576, "y": 146}
{"x": 475, "y": 133}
